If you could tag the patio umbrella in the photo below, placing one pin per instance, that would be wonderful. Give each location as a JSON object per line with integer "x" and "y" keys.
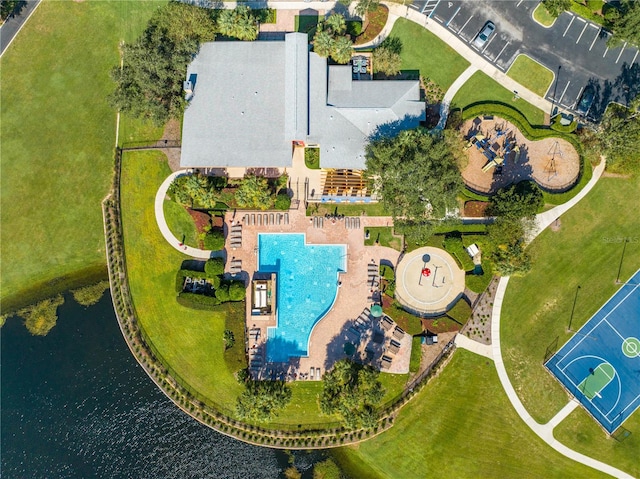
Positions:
{"x": 376, "y": 310}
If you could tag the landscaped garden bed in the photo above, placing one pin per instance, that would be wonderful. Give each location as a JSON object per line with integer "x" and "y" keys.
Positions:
{"x": 374, "y": 23}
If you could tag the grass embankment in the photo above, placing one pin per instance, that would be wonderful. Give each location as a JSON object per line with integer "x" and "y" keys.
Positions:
{"x": 531, "y": 74}
{"x": 189, "y": 340}
{"x": 480, "y": 88}
{"x": 542, "y": 16}
{"x": 57, "y": 145}
{"x": 476, "y": 435}
{"x": 586, "y": 251}
{"x": 426, "y": 53}
{"x": 181, "y": 223}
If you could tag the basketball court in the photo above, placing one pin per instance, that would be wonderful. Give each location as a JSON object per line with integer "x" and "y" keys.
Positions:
{"x": 600, "y": 364}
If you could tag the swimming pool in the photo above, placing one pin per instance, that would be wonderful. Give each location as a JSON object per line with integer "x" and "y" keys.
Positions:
{"x": 307, "y": 285}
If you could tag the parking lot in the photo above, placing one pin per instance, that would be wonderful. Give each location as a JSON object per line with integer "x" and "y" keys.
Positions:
{"x": 573, "y": 48}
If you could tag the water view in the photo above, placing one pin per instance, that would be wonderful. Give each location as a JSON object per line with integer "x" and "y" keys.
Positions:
{"x": 75, "y": 404}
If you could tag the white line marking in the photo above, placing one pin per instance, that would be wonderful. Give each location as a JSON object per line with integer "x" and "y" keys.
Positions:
{"x": 488, "y": 43}
{"x": 465, "y": 24}
{"x": 518, "y": 4}
{"x": 581, "y": 19}
{"x": 634, "y": 57}
{"x": 594, "y": 40}
{"x": 584, "y": 28}
{"x": 452, "y": 16}
{"x": 564, "y": 91}
{"x": 620, "y": 54}
{"x": 503, "y": 48}
{"x": 605, "y": 52}
{"x": 568, "y": 26}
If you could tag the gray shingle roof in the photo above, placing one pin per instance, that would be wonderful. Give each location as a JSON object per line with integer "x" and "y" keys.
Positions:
{"x": 252, "y": 99}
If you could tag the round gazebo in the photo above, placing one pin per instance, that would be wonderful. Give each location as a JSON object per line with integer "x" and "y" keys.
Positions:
{"x": 428, "y": 281}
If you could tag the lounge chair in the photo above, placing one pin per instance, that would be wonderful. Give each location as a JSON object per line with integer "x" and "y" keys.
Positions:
{"x": 286, "y": 218}
{"x": 312, "y": 373}
{"x": 253, "y": 218}
{"x": 354, "y": 332}
{"x": 278, "y": 219}
{"x": 266, "y": 219}
{"x": 398, "y": 333}
{"x": 271, "y": 219}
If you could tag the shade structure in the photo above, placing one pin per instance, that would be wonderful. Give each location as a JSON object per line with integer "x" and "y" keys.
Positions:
{"x": 376, "y": 310}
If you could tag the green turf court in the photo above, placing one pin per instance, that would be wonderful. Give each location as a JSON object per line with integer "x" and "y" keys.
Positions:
{"x": 602, "y": 375}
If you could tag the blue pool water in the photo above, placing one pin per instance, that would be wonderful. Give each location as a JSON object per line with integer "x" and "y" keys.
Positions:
{"x": 307, "y": 284}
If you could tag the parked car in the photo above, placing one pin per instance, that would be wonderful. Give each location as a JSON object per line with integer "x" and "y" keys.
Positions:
{"x": 485, "y": 33}
{"x": 586, "y": 100}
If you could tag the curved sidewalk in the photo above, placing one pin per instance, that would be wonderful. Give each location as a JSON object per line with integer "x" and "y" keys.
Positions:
{"x": 544, "y": 431}
{"x": 164, "y": 228}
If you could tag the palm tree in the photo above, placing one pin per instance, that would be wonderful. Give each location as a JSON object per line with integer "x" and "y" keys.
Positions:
{"x": 226, "y": 22}
{"x": 366, "y": 6}
{"x": 246, "y": 27}
{"x": 336, "y": 23}
{"x": 342, "y": 50}
{"x": 323, "y": 43}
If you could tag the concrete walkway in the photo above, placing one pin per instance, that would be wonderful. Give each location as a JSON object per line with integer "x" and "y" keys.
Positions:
{"x": 474, "y": 346}
{"x": 545, "y": 219}
{"x": 451, "y": 92}
{"x": 544, "y": 431}
{"x": 164, "y": 228}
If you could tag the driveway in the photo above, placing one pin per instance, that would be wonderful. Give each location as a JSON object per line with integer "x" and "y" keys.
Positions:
{"x": 573, "y": 48}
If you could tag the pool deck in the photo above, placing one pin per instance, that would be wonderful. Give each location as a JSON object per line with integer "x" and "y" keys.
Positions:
{"x": 326, "y": 344}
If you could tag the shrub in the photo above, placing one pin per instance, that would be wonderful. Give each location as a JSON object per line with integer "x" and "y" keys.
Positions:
{"x": 91, "y": 294}
{"x": 222, "y": 293}
{"x": 416, "y": 354}
{"x": 354, "y": 28}
{"x": 312, "y": 158}
{"x": 197, "y": 301}
{"x": 215, "y": 281}
{"x": 237, "y": 291}
{"x": 214, "y": 240}
{"x": 283, "y": 202}
{"x": 41, "y": 317}
{"x": 214, "y": 267}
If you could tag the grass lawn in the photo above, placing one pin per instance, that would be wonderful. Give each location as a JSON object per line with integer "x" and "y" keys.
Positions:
{"x": 481, "y": 88}
{"x": 57, "y": 135}
{"x": 181, "y": 223}
{"x": 531, "y": 74}
{"x": 189, "y": 340}
{"x": 586, "y": 251}
{"x": 347, "y": 209}
{"x": 307, "y": 24}
{"x": 542, "y": 16}
{"x": 383, "y": 235}
{"x": 581, "y": 433}
{"x": 461, "y": 425}
{"x": 423, "y": 51}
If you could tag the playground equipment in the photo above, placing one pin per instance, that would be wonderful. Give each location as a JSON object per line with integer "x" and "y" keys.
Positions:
{"x": 496, "y": 162}
{"x": 551, "y": 165}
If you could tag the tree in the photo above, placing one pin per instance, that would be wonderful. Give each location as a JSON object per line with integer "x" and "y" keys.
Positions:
{"x": 556, "y": 7}
{"x": 214, "y": 267}
{"x": 229, "y": 339}
{"x": 626, "y": 23}
{"x": 522, "y": 200}
{"x": 222, "y": 293}
{"x": 262, "y": 400}
{"x": 342, "y": 49}
{"x": 254, "y": 192}
{"x": 336, "y": 23}
{"x": 237, "y": 291}
{"x": 352, "y": 391}
{"x": 323, "y": 42}
{"x": 366, "y": 6}
{"x": 386, "y": 61}
{"x": 507, "y": 238}
{"x": 239, "y": 23}
{"x": 214, "y": 239}
{"x": 416, "y": 175}
{"x": 619, "y": 137}
{"x": 149, "y": 84}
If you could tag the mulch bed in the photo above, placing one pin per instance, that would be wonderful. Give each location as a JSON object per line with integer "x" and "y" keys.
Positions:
{"x": 433, "y": 115}
{"x": 475, "y": 209}
{"x": 375, "y": 22}
{"x": 200, "y": 219}
{"x": 442, "y": 324}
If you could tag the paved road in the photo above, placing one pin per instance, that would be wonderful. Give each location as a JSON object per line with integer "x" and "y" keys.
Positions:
{"x": 575, "y": 45}
{"x": 13, "y": 24}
